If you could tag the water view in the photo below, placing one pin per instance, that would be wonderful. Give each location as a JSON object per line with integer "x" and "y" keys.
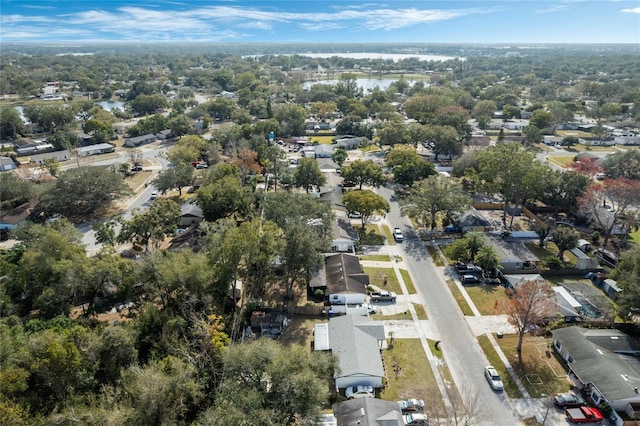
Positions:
{"x": 111, "y": 105}
{"x": 366, "y": 84}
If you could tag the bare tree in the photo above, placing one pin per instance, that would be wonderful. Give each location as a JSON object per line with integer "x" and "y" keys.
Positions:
{"x": 531, "y": 303}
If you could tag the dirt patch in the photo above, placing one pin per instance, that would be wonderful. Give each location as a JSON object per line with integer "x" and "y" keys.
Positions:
{"x": 520, "y": 223}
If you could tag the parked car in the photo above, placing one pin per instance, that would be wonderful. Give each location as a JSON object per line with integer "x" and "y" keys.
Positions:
{"x": 493, "y": 378}
{"x": 397, "y": 235}
{"x": 371, "y": 309}
{"x": 470, "y": 279}
{"x": 452, "y": 229}
{"x": 154, "y": 195}
{"x": 583, "y": 415}
{"x": 601, "y": 176}
{"x": 136, "y": 168}
{"x": 468, "y": 269}
{"x": 415, "y": 419}
{"x": 411, "y": 405}
{"x": 568, "y": 400}
{"x": 355, "y": 215}
{"x": 360, "y": 391}
{"x": 383, "y": 296}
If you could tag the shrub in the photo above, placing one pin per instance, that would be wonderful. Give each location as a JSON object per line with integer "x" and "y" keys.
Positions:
{"x": 553, "y": 263}
{"x": 595, "y": 237}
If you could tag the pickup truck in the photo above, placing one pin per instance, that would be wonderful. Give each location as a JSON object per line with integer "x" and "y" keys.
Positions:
{"x": 383, "y": 296}
{"x": 583, "y": 415}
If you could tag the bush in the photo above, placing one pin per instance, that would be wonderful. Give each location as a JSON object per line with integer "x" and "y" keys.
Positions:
{"x": 595, "y": 237}
{"x": 553, "y": 263}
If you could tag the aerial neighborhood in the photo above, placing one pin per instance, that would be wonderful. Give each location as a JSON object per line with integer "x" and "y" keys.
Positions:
{"x": 197, "y": 236}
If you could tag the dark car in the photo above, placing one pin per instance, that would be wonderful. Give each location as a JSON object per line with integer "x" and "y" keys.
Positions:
{"x": 568, "y": 400}
{"x": 136, "y": 168}
{"x": 452, "y": 229}
{"x": 468, "y": 269}
{"x": 470, "y": 279}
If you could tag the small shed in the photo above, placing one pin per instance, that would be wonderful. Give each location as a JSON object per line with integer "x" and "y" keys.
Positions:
{"x": 321, "y": 337}
{"x": 584, "y": 245}
{"x": 610, "y": 287}
{"x": 584, "y": 261}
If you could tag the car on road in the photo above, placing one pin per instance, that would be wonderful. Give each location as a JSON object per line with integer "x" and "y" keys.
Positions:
{"x": 355, "y": 215}
{"x": 359, "y": 391}
{"x": 397, "y": 235}
{"x": 493, "y": 378}
{"x": 470, "y": 279}
{"x": 583, "y": 415}
{"x": 568, "y": 400}
{"x": 154, "y": 195}
{"x": 411, "y": 405}
{"x": 415, "y": 419}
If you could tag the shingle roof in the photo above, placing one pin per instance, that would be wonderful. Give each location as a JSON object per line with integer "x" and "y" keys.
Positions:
{"x": 376, "y": 412}
{"x": 603, "y": 357}
{"x": 344, "y": 274}
{"x": 354, "y": 340}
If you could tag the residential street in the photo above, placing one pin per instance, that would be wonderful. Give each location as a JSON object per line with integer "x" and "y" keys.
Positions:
{"x": 461, "y": 351}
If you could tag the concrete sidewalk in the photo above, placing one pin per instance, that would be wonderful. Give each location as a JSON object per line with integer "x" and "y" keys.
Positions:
{"x": 487, "y": 325}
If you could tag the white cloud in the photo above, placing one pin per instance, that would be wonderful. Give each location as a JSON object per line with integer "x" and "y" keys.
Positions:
{"x": 553, "y": 9}
{"x": 634, "y": 10}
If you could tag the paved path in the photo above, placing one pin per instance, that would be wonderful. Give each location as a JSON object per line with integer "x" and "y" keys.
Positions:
{"x": 446, "y": 323}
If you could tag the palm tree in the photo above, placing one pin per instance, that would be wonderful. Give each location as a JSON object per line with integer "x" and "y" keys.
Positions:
{"x": 487, "y": 259}
{"x": 475, "y": 240}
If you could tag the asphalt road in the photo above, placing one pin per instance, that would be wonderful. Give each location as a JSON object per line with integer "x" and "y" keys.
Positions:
{"x": 461, "y": 351}
{"x": 138, "y": 201}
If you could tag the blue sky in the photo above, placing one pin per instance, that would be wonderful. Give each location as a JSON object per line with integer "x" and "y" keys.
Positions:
{"x": 337, "y": 21}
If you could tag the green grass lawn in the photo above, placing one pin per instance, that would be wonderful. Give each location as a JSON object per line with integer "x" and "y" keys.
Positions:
{"x": 635, "y": 236}
{"x": 462, "y": 302}
{"x": 370, "y": 236}
{"x": 370, "y": 148}
{"x": 414, "y": 379}
{"x": 376, "y": 257}
{"x": 378, "y": 276}
{"x": 388, "y": 235}
{"x": 489, "y": 299}
{"x": 134, "y": 181}
{"x": 435, "y": 255}
{"x": 422, "y": 314}
{"x": 542, "y": 372}
{"x": 561, "y": 160}
{"x": 322, "y": 139}
{"x": 510, "y": 386}
{"x": 407, "y": 281}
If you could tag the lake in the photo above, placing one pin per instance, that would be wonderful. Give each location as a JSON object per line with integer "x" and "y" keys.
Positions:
{"x": 366, "y": 84}
{"x": 111, "y": 105}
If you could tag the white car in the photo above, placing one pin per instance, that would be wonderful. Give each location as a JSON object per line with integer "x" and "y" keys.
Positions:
{"x": 397, "y": 235}
{"x": 415, "y": 419}
{"x": 154, "y": 195}
{"x": 360, "y": 391}
{"x": 371, "y": 309}
{"x": 493, "y": 378}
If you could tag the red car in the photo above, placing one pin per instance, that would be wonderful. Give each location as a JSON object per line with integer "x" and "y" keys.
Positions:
{"x": 583, "y": 415}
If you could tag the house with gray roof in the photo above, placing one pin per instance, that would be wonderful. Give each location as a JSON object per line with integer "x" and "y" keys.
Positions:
{"x": 343, "y": 283}
{"x": 344, "y": 236}
{"x": 604, "y": 362}
{"x": 368, "y": 412}
{"x": 349, "y": 143}
{"x": 357, "y": 341}
{"x": 190, "y": 214}
{"x": 7, "y": 164}
{"x": 514, "y": 256}
{"x": 63, "y": 155}
{"x": 140, "y": 140}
